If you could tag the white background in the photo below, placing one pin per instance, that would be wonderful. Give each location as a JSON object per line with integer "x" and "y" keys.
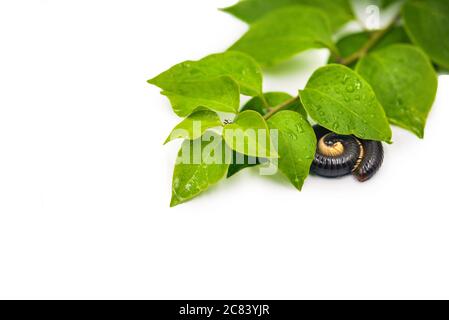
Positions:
{"x": 85, "y": 181}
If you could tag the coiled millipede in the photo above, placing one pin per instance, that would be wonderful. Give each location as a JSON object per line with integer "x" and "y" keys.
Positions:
{"x": 339, "y": 155}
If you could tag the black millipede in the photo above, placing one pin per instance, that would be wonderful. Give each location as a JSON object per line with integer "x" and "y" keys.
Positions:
{"x": 340, "y": 155}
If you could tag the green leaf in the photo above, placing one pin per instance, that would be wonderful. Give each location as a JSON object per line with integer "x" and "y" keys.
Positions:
{"x": 354, "y": 42}
{"x": 338, "y": 12}
{"x": 340, "y": 100}
{"x": 296, "y": 145}
{"x": 271, "y": 100}
{"x": 387, "y": 3}
{"x": 405, "y": 83}
{"x": 249, "y": 135}
{"x": 241, "y": 161}
{"x": 220, "y": 94}
{"x": 194, "y": 126}
{"x": 285, "y": 32}
{"x": 236, "y": 65}
{"x": 214, "y": 82}
{"x": 200, "y": 165}
{"x": 262, "y": 106}
{"x": 427, "y": 23}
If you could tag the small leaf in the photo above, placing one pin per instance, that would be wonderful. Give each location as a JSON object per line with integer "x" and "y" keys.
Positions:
{"x": 214, "y": 82}
{"x": 427, "y": 23}
{"x": 354, "y": 42}
{"x": 285, "y": 32}
{"x": 262, "y": 106}
{"x": 338, "y": 12}
{"x": 296, "y": 145}
{"x": 194, "y": 126}
{"x": 200, "y": 165}
{"x": 271, "y": 100}
{"x": 249, "y": 135}
{"x": 340, "y": 100}
{"x": 405, "y": 83}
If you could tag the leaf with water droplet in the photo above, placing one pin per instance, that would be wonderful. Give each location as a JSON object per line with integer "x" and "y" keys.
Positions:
{"x": 201, "y": 163}
{"x": 194, "y": 126}
{"x": 215, "y": 82}
{"x": 262, "y": 105}
{"x": 345, "y": 109}
{"x": 249, "y": 135}
{"x": 405, "y": 83}
{"x": 296, "y": 145}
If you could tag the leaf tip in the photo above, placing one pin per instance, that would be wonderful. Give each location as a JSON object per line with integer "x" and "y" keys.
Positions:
{"x": 174, "y": 202}
{"x": 154, "y": 81}
{"x": 226, "y": 9}
{"x": 420, "y": 134}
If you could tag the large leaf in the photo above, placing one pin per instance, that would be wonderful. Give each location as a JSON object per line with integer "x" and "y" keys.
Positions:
{"x": 296, "y": 145}
{"x": 340, "y": 100}
{"x": 354, "y": 42}
{"x": 249, "y": 135}
{"x": 405, "y": 83}
{"x": 194, "y": 126}
{"x": 200, "y": 165}
{"x": 214, "y": 82}
{"x": 270, "y": 100}
{"x": 285, "y": 32}
{"x": 427, "y": 23}
{"x": 338, "y": 12}
{"x": 220, "y": 94}
{"x": 236, "y": 65}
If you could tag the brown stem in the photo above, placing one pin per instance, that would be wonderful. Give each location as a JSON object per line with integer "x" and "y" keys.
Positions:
{"x": 374, "y": 39}
{"x": 280, "y": 107}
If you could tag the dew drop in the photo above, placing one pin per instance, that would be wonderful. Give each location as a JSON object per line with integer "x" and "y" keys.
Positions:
{"x": 335, "y": 126}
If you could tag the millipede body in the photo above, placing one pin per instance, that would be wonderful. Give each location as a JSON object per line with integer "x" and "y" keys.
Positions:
{"x": 340, "y": 155}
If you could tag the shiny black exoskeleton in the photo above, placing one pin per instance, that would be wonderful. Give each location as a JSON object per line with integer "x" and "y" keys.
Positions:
{"x": 340, "y": 155}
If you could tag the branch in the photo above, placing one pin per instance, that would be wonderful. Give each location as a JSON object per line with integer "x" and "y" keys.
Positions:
{"x": 375, "y": 38}
{"x": 280, "y": 107}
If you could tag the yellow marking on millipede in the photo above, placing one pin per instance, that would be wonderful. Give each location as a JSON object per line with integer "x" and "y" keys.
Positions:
{"x": 335, "y": 150}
